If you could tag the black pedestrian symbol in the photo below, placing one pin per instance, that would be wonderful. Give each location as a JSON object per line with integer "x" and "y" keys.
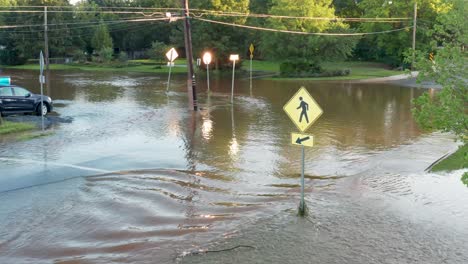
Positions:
{"x": 305, "y": 108}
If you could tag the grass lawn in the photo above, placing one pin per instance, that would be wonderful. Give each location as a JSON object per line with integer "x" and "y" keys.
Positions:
{"x": 456, "y": 161}
{"x": 359, "y": 70}
{"x": 133, "y": 66}
{"x": 13, "y": 127}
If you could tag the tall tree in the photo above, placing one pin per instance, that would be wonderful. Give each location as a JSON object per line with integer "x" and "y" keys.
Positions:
{"x": 221, "y": 40}
{"x": 288, "y": 46}
{"x": 101, "y": 38}
{"x": 446, "y": 110}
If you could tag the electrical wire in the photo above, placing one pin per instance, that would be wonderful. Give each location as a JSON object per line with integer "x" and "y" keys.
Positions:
{"x": 76, "y": 23}
{"x": 301, "y": 32}
{"x": 351, "y": 19}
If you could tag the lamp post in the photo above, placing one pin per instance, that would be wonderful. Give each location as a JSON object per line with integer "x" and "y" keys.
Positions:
{"x": 207, "y": 61}
{"x": 233, "y": 58}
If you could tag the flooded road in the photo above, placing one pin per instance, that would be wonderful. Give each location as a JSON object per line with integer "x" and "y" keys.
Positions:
{"x": 136, "y": 178}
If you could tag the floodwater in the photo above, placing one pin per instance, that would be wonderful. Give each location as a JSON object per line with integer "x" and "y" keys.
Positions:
{"x": 136, "y": 178}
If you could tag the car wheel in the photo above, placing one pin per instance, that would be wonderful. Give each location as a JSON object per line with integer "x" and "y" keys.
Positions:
{"x": 42, "y": 110}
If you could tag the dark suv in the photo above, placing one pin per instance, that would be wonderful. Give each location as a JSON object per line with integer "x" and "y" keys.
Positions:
{"x": 15, "y": 99}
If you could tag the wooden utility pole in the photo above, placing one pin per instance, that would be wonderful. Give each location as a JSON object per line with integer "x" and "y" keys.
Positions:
{"x": 414, "y": 33}
{"x": 191, "y": 87}
{"x": 46, "y": 40}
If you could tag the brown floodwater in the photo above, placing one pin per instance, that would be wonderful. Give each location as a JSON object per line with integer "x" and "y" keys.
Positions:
{"x": 137, "y": 178}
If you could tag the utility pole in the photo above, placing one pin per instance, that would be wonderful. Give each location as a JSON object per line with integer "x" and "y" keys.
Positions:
{"x": 46, "y": 40}
{"x": 191, "y": 87}
{"x": 414, "y": 32}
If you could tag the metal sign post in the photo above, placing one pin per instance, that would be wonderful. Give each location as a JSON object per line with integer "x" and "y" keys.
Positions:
{"x": 251, "y": 49}
{"x": 171, "y": 56}
{"x": 303, "y": 111}
{"x": 207, "y": 61}
{"x": 234, "y": 58}
{"x": 42, "y": 81}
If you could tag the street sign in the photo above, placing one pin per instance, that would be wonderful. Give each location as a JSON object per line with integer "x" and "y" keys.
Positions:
{"x": 41, "y": 62}
{"x": 302, "y": 109}
{"x": 302, "y": 140}
{"x": 171, "y": 55}
{"x": 251, "y": 48}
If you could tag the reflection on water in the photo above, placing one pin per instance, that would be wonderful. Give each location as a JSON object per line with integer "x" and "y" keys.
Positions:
{"x": 138, "y": 178}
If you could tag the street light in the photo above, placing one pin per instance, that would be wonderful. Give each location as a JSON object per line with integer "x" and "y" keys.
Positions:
{"x": 207, "y": 61}
{"x": 233, "y": 58}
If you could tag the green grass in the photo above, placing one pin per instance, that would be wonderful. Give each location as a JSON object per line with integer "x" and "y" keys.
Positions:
{"x": 29, "y": 136}
{"x": 456, "y": 161}
{"x": 134, "y": 66}
{"x": 359, "y": 70}
{"x": 13, "y": 127}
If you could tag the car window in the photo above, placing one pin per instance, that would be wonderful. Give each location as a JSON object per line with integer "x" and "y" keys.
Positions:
{"x": 20, "y": 91}
{"x": 5, "y": 91}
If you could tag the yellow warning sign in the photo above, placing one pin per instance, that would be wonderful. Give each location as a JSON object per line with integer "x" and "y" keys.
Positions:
{"x": 302, "y": 140}
{"x": 251, "y": 48}
{"x": 302, "y": 109}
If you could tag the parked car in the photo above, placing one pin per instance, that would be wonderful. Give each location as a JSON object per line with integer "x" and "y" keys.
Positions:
{"x": 15, "y": 99}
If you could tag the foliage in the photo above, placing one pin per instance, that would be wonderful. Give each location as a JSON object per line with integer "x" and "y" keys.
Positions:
{"x": 79, "y": 56}
{"x": 105, "y": 54}
{"x": 101, "y": 39}
{"x": 445, "y": 110}
{"x": 158, "y": 51}
{"x": 465, "y": 178}
{"x": 123, "y": 57}
{"x": 218, "y": 39}
{"x": 287, "y": 46}
{"x": 296, "y": 68}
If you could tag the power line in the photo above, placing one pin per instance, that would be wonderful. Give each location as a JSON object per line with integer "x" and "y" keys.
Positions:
{"x": 77, "y": 23}
{"x": 301, "y": 32}
{"x": 351, "y": 19}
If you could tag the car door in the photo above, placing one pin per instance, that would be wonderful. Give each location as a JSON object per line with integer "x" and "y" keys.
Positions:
{"x": 7, "y": 100}
{"x": 24, "y": 100}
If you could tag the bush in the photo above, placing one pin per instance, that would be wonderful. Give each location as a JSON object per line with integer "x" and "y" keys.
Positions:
{"x": 11, "y": 57}
{"x": 79, "y": 56}
{"x": 300, "y": 68}
{"x": 158, "y": 51}
{"x": 123, "y": 57}
{"x": 105, "y": 54}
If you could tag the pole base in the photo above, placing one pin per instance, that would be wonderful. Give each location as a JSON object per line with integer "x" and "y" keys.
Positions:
{"x": 302, "y": 209}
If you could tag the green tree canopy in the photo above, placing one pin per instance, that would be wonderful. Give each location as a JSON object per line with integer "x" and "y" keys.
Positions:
{"x": 101, "y": 38}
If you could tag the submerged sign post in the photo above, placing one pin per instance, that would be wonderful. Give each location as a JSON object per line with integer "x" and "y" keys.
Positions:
{"x": 303, "y": 111}
{"x": 42, "y": 81}
{"x": 171, "y": 55}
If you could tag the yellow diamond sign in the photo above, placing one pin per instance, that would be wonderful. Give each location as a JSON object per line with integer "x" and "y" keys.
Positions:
{"x": 302, "y": 109}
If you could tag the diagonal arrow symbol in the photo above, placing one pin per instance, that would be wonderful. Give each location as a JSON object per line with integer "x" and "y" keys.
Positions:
{"x": 300, "y": 140}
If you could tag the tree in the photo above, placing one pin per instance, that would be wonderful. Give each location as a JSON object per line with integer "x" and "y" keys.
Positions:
{"x": 219, "y": 39}
{"x": 288, "y": 46}
{"x": 446, "y": 110}
{"x": 101, "y": 38}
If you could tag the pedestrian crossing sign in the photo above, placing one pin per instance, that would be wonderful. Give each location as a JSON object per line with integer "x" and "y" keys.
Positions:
{"x": 302, "y": 109}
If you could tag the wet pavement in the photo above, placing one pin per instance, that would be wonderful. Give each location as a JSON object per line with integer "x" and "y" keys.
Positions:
{"x": 136, "y": 178}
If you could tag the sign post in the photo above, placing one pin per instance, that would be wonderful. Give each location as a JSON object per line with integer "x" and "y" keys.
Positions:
{"x": 207, "y": 61}
{"x": 42, "y": 81}
{"x": 251, "y": 49}
{"x": 303, "y": 112}
{"x": 171, "y": 56}
{"x": 233, "y": 58}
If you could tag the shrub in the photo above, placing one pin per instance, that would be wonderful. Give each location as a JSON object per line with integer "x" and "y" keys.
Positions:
{"x": 300, "y": 68}
{"x": 79, "y": 56}
{"x": 123, "y": 57}
{"x": 105, "y": 54}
